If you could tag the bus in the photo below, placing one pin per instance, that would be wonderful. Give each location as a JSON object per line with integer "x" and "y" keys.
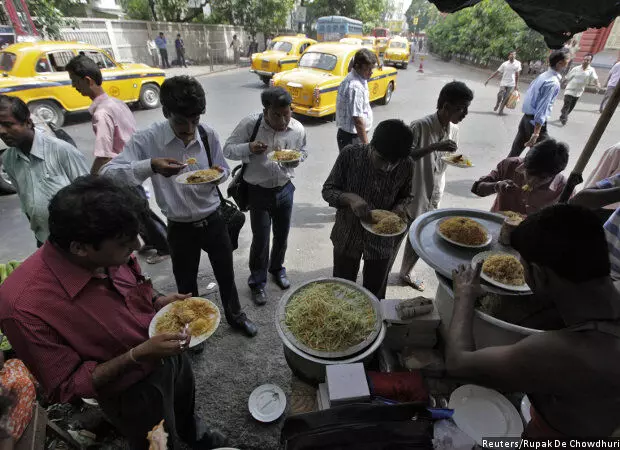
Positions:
{"x": 381, "y": 33}
{"x": 334, "y": 28}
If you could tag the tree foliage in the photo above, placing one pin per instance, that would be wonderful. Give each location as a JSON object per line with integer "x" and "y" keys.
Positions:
{"x": 371, "y": 12}
{"x": 137, "y": 9}
{"x": 50, "y": 15}
{"x": 425, "y": 11}
{"x": 266, "y": 16}
{"x": 489, "y": 29}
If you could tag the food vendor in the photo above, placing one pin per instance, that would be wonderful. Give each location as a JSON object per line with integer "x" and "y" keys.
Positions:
{"x": 77, "y": 312}
{"x": 526, "y": 185}
{"x": 571, "y": 375}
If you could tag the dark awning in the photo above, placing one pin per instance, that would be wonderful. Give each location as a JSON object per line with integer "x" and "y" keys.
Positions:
{"x": 556, "y": 20}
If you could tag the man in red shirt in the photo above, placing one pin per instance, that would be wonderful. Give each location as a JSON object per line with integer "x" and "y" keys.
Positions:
{"x": 77, "y": 313}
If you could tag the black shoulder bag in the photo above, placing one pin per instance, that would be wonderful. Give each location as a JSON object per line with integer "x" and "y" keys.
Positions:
{"x": 233, "y": 218}
{"x": 238, "y": 187}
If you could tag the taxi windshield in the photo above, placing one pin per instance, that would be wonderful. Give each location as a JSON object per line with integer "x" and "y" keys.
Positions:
{"x": 367, "y": 42}
{"x": 281, "y": 46}
{"x": 398, "y": 45}
{"x": 315, "y": 60}
{"x": 6, "y": 61}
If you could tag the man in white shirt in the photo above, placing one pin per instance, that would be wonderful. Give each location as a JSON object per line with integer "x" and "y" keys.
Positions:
{"x": 610, "y": 84}
{"x": 38, "y": 164}
{"x": 353, "y": 111}
{"x": 270, "y": 191}
{"x": 510, "y": 81}
{"x": 194, "y": 222}
{"x": 578, "y": 78}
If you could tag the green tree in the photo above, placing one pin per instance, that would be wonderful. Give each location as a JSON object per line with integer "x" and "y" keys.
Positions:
{"x": 426, "y": 13}
{"x": 137, "y": 9}
{"x": 50, "y": 15}
{"x": 489, "y": 29}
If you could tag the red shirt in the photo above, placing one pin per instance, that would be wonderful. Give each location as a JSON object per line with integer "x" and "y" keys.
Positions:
{"x": 518, "y": 200}
{"x": 62, "y": 321}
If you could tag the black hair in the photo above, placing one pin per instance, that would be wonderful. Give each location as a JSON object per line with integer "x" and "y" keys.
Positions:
{"x": 364, "y": 57}
{"x": 567, "y": 239}
{"x": 83, "y": 67}
{"x": 276, "y": 96}
{"x": 548, "y": 157}
{"x": 183, "y": 95}
{"x": 591, "y": 55}
{"x": 161, "y": 32}
{"x": 393, "y": 139}
{"x": 454, "y": 92}
{"x": 93, "y": 209}
{"x": 18, "y": 108}
{"x": 558, "y": 56}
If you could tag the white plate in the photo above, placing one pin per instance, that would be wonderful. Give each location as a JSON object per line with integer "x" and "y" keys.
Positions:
{"x": 446, "y": 159}
{"x": 196, "y": 340}
{"x": 368, "y": 227}
{"x": 90, "y": 401}
{"x": 482, "y": 412}
{"x": 525, "y": 409}
{"x": 509, "y": 287}
{"x": 267, "y": 403}
{"x": 182, "y": 178}
{"x": 446, "y": 238}
{"x": 271, "y": 157}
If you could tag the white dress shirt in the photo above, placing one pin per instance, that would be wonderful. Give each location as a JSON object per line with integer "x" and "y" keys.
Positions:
{"x": 51, "y": 165}
{"x": 178, "y": 202}
{"x": 509, "y": 70}
{"x": 578, "y": 79}
{"x": 353, "y": 100}
{"x": 260, "y": 170}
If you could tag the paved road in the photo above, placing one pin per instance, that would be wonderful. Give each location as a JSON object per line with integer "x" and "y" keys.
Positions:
{"x": 232, "y": 366}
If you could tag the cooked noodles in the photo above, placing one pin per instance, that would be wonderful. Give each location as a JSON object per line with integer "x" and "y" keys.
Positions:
{"x": 286, "y": 155}
{"x": 505, "y": 269}
{"x": 203, "y": 176}
{"x": 464, "y": 231}
{"x": 389, "y": 225}
{"x": 200, "y": 315}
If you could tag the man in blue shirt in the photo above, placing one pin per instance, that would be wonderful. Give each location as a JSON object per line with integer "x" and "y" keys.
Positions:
{"x": 538, "y": 103}
{"x": 160, "y": 42}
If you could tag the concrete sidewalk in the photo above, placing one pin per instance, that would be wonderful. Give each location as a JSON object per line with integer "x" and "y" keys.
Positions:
{"x": 205, "y": 69}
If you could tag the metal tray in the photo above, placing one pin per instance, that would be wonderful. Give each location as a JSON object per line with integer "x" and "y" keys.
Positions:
{"x": 445, "y": 257}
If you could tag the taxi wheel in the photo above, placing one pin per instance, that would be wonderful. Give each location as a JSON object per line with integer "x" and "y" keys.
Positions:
{"x": 149, "y": 96}
{"x": 405, "y": 65}
{"x": 48, "y": 112}
{"x": 388, "y": 94}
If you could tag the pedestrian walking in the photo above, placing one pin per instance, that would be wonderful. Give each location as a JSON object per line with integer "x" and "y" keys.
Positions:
{"x": 236, "y": 46}
{"x": 538, "y": 103}
{"x": 160, "y": 42}
{"x": 610, "y": 84}
{"x": 179, "y": 45}
{"x": 153, "y": 51}
{"x": 353, "y": 111}
{"x": 114, "y": 124}
{"x": 270, "y": 190}
{"x": 194, "y": 220}
{"x": 510, "y": 71}
{"x": 367, "y": 177}
{"x": 37, "y": 163}
{"x": 578, "y": 78}
{"x": 434, "y": 136}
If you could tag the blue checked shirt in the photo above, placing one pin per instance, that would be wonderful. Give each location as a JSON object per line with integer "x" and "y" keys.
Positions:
{"x": 540, "y": 96}
{"x": 612, "y": 228}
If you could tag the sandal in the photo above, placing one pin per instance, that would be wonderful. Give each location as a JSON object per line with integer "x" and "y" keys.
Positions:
{"x": 414, "y": 283}
{"x": 156, "y": 259}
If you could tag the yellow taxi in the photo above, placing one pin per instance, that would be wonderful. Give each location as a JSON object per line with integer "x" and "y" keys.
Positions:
{"x": 351, "y": 41}
{"x": 283, "y": 54}
{"x": 398, "y": 52}
{"x": 314, "y": 84}
{"x": 35, "y": 72}
{"x": 369, "y": 42}
{"x": 381, "y": 44}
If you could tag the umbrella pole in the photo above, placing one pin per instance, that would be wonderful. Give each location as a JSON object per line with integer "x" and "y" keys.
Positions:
{"x": 575, "y": 177}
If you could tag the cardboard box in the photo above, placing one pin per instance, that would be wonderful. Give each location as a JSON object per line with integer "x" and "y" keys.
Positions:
{"x": 346, "y": 383}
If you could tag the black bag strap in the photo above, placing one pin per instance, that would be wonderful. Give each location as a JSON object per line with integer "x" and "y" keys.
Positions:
{"x": 205, "y": 142}
{"x": 252, "y": 137}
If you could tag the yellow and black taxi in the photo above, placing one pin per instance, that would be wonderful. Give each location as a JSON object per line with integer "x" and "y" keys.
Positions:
{"x": 35, "y": 72}
{"x": 314, "y": 84}
{"x": 381, "y": 44}
{"x": 283, "y": 54}
{"x": 370, "y": 42}
{"x": 398, "y": 52}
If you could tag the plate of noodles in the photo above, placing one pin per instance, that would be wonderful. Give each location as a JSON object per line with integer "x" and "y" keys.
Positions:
{"x": 503, "y": 270}
{"x": 203, "y": 176}
{"x": 285, "y": 156}
{"x": 387, "y": 224}
{"x": 461, "y": 161}
{"x": 200, "y": 314}
{"x": 464, "y": 232}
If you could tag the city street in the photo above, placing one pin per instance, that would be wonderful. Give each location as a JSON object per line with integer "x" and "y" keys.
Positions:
{"x": 231, "y": 365}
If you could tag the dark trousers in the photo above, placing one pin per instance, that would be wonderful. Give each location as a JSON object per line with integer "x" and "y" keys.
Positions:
{"x": 524, "y": 133}
{"x": 181, "y": 57}
{"x": 375, "y": 272}
{"x": 186, "y": 241}
{"x": 606, "y": 97}
{"x": 168, "y": 393}
{"x": 502, "y": 96}
{"x": 569, "y": 103}
{"x": 269, "y": 207}
{"x": 164, "y": 58}
{"x": 345, "y": 138}
{"x": 154, "y": 229}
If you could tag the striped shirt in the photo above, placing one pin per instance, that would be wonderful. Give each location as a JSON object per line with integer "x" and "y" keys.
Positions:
{"x": 353, "y": 100}
{"x": 178, "y": 202}
{"x": 51, "y": 165}
{"x": 612, "y": 228}
{"x": 354, "y": 173}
